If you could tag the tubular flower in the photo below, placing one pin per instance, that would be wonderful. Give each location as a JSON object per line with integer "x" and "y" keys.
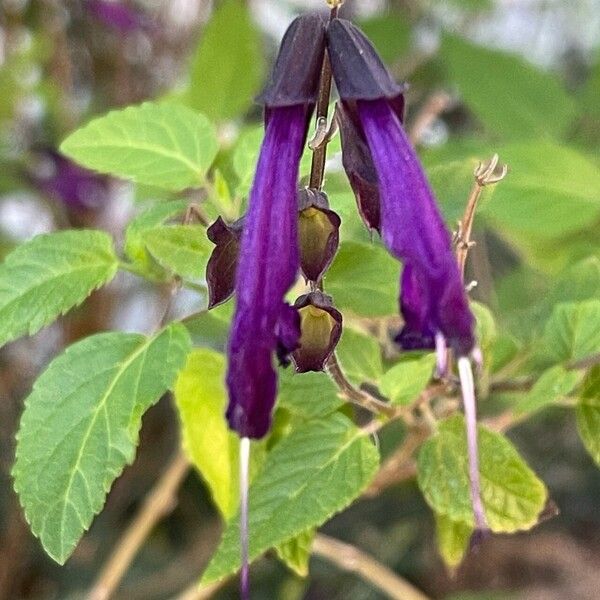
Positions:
{"x": 269, "y": 256}
{"x": 432, "y": 300}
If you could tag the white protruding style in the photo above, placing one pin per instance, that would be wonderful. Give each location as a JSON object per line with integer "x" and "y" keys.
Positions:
{"x": 244, "y": 483}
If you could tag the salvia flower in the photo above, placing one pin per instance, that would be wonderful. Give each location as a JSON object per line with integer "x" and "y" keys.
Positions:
{"x": 269, "y": 257}
{"x": 433, "y": 300}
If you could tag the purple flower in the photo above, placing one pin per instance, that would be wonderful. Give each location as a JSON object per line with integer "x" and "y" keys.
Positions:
{"x": 117, "y": 15}
{"x": 432, "y": 300}
{"x": 61, "y": 179}
{"x": 269, "y": 257}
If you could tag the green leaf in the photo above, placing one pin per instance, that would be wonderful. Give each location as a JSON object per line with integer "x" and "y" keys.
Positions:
{"x": 403, "y": 383}
{"x": 209, "y": 443}
{"x": 553, "y": 386}
{"x": 510, "y": 97}
{"x": 550, "y": 191}
{"x": 485, "y": 326}
{"x": 135, "y": 248}
{"x": 512, "y": 494}
{"x": 588, "y": 414}
{"x": 45, "y": 277}
{"x": 245, "y": 157}
{"x": 228, "y": 66}
{"x": 453, "y": 539}
{"x": 308, "y": 477}
{"x": 165, "y": 145}
{"x": 295, "y": 552}
{"x": 80, "y": 427}
{"x": 364, "y": 279}
{"x": 360, "y": 357}
{"x": 307, "y": 395}
{"x": 573, "y": 331}
{"x": 210, "y": 328}
{"x": 183, "y": 249}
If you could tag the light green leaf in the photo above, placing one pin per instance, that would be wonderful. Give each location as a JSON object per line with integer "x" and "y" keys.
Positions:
{"x": 485, "y": 326}
{"x": 45, "y": 277}
{"x": 245, "y": 157}
{"x": 210, "y": 328}
{"x": 453, "y": 539}
{"x": 164, "y": 145}
{"x": 588, "y": 414}
{"x": 510, "y": 97}
{"x": 209, "y": 443}
{"x": 573, "y": 331}
{"x": 309, "y": 476}
{"x": 512, "y": 494}
{"x": 183, "y": 249}
{"x": 553, "y": 386}
{"x": 80, "y": 427}
{"x": 295, "y": 552}
{"x": 228, "y": 66}
{"x": 550, "y": 191}
{"x": 403, "y": 383}
{"x": 364, "y": 279}
{"x": 135, "y": 248}
{"x": 360, "y": 357}
{"x": 307, "y": 395}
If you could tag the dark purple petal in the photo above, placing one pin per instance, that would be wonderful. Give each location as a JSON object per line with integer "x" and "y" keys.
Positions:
{"x": 318, "y": 233}
{"x": 268, "y": 267}
{"x": 413, "y": 230}
{"x": 359, "y": 167}
{"x": 117, "y": 15}
{"x": 222, "y": 264}
{"x": 358, "y": 71}
{"x": 287, "y": 333}
{"x": 63, "y": 180}
{"x": 321, "y": 326}
{"x": 295, "y": 76}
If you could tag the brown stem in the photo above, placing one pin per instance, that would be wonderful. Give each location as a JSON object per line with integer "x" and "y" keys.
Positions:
{"x": 435, "y": 105}
{"x": 317, "y": 168}
{"x": 159, "y": 502}
{"x": 353, "y": 560}
{"x": 356, "y": 396}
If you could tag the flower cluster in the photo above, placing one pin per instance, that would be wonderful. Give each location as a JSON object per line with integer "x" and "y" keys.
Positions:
{"x": 287, "y": 231}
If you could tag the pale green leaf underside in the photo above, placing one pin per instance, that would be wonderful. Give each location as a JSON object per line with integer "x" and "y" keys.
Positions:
{"x": 403, "y": 383}
{"x": 49, "y": 275}
{"x": 80, "y": 427}
{"x": 183, "y": 249}
{"x": 308, "y": 477}
{"x": 295, "y": 552}
{"x": 452, "y": 539}
{"x": 512, "y": 494}
{"x": 164, "y": 145}
{"x": 211, "y": 446}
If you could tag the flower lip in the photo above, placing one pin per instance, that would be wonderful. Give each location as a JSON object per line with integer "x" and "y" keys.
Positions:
{"x": 295, "y": 76}
{"x": 358, "y": 70}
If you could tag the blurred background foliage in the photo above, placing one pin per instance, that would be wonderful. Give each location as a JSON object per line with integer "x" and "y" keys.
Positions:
{"x": 520, "y": 78}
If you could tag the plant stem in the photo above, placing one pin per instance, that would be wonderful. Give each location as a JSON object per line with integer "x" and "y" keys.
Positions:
{"x": 353, "y": 560}
{"x": 159, "y": 502}
{"x": 317, "y": 168}
{"x": 355, "y": 395}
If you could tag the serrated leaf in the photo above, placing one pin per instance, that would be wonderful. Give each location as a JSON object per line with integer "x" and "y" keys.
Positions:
{"x": 228, "y": 65}
{"x": 307, "y": 395}
{"x": 452, "y": 539}
{"x": 309, "y": 476}
{"x": 209, "y": 443}
{"x": 553, "y": 385}
{"x": 510, "y": 97}
{"x": 45, "y": 277}
{"x": 588, "y": 414}
{"x": 363, "y": 279}
{"x": 512, "y": 494}
{"x": 135, "y": 248}
{"x": 80, "y": 427}
{"x": 573, "y": 331}
{"x": 403, "y": 383}
{"x": 360, "y": 357}
{"x": 295, "y": 552}
{"x": 164, "y": 145}
{"x": 182, "y": 249}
